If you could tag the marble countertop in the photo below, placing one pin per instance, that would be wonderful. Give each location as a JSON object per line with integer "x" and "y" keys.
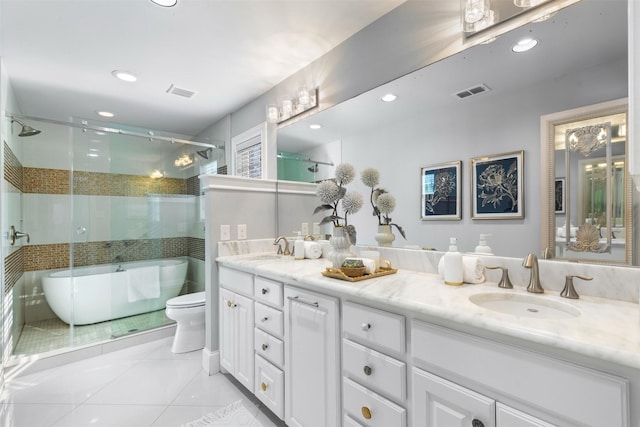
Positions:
{"x": 607, "y": 330}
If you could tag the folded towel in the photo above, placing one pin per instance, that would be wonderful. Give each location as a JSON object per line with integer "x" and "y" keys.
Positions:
{"x": 472, "y": 269}
{"x": 143, "y": 283}
{"x": 312, "y": 250}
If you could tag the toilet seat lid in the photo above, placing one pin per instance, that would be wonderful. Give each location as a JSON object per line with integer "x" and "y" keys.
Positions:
{"x": 195, "y": 299}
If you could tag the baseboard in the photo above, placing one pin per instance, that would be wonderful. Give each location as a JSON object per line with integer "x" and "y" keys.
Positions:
{"x": 211, "y": 361}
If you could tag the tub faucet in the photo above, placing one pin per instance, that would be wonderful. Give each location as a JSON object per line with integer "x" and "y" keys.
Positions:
{"x": 286, "y": 245}
{"x": 531, "y": 261}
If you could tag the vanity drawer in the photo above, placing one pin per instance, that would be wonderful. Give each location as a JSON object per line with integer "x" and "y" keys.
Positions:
{"x": 371, "y": 409}
{"x": 237, "y": 281}
{"x": 269, "y": 386}
{"x": 350, "y": 422}
{"x": 375, "y": 328}
{"x": 269, "y": 347}
{"x": 269, "y": 319}
{"x": 374, "y": 370}
{"x": 268, "y": 291}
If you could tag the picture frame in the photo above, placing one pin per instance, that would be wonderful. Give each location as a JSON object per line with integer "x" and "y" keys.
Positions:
{"x": 560, "y": 198}
{"x": 441, "y": 191}
{"x": 497, "y": 186}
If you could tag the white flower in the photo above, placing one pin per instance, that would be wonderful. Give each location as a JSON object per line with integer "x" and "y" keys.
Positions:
{"x": 345, "y": 173}
{"x": 352, "y": 202}
{"x": 376, "y": 193}
{"x": 386, "y": 203}
{"x": 327, "y": 191}
{"x": 370, "y": 177}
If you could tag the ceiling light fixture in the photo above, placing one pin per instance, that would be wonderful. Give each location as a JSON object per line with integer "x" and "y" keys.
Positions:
{"x": 105, "y": 113}
{"x": 475, "y": 10}
{"x": 165, "y": 3}
{"x": 524, "y": 45}
{"x": 156, "y": 174}
{"x": 527, "y": 3}
{"x": 125, "y": 76}
{"x": 289, "y": 108}
{"x": 315, "y": 126}
{"x": 389, "y": 97}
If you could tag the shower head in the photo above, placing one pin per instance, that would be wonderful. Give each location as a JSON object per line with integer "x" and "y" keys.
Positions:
{"x": 26, "y": 129}
{"x": 204, "y": 153}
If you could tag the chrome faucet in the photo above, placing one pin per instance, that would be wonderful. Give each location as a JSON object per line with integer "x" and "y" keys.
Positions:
{"x": 531, "y": 261}
{"x": 286, "y": 245}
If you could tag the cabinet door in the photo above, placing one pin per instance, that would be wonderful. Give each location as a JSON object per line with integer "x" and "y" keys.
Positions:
{"x": 236, "y": 337}
{"x": 509, "y": 417}
{"x": 312, "y": 358}
{"x": 440, "y": 403}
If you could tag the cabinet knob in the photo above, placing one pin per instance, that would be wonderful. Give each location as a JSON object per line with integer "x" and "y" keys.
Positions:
{"x": 366, "y": 326}
{"x": 366, "y": 413}
{"x": 230, "y": 304}
{"x": 265, "y": 347}
{"x": 263, "y": 386}
{"x": 264, "y": 319}
{"x": 264, "y": 291}
{"x": 477, "y": 423}
{"x": 367, "y": 370}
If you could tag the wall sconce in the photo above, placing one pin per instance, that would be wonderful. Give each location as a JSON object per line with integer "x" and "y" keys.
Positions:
{"x": 304, "y": 101}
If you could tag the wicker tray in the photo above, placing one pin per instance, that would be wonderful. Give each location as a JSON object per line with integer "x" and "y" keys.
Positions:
{"x": 336, "y": 273}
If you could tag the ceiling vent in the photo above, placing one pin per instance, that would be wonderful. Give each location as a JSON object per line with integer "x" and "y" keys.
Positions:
{"x": 175, "y": 90}
{"x": 475, "y": 90}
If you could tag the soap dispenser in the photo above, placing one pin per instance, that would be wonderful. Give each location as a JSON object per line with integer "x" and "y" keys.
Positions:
{"x": 482, "y": 247}
{"x": 453, "y": 264}
{"x": 298, "y": 247}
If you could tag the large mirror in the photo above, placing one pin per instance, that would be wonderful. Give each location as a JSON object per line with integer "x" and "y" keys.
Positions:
{"x": 575, "y": 64}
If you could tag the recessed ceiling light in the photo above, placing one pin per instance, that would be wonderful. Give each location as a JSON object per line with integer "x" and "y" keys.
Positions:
{"x": 315, "y": 126}
{"x": 125, "y": 76}
{"x": 524, "y": 45}
{"x": 165, "y": 3}
{"x": 100, "y": 133}
{"x": 389, "y": 97}
{"x": 105, "y": 113}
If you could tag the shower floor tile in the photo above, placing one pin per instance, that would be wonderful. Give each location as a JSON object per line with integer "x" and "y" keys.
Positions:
{"x": 53, "y": 334}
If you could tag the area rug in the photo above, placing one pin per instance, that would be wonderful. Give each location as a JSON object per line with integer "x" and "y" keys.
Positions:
{"x": 234, "y": 415}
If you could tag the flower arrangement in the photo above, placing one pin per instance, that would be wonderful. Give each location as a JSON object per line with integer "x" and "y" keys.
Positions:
{"x": 382, "y": 201}
{"x": 332, "y": 192}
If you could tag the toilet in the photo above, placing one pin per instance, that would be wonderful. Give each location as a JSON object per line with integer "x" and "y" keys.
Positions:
{"x": 188, "y": 312}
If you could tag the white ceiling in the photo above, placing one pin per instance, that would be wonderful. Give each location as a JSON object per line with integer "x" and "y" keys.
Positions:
{"x": 59, "y": 54}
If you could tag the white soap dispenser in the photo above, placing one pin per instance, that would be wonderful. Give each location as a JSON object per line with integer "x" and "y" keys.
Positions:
{"x": 482, "y": 247}
{"x": 453, "y": 264}
{"x": 298, "y": 247}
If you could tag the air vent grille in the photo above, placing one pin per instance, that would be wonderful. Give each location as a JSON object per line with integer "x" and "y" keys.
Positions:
{"x": 175, "y": 90}
{"x": 475, "y": 90}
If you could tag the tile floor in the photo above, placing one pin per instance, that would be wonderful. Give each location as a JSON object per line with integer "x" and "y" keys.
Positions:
{"x": 143, "y": 385}
{"x": 52, "y": 334}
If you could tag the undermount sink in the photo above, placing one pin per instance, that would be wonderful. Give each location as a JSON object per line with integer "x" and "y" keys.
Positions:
{"x": 537, "y": 306}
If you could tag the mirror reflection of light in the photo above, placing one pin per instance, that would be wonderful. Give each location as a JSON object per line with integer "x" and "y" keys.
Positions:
{"x": 524, "y": 45}
{"x": 156, "y": 174}
{"x": 315, "y": 126}
{"x": 389, "y": 97}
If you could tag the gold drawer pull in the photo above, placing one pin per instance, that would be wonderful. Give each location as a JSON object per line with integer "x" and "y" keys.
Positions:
{"x": 366, "y": 326}
{"x": 230, "y": 304}
{"x": 366, "y": 413}
{"x": 263, "y": 387}
{"x": 265, "y": 347}
{"x": 367, "y": 370}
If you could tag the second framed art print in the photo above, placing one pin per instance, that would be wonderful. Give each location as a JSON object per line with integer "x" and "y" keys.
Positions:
{"x": 497, "y": 186}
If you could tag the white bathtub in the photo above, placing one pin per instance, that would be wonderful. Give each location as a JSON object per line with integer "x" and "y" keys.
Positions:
{"x": 101, "y": 293}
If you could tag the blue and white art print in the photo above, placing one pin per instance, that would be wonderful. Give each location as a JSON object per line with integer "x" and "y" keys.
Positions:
{"x": 497, "y": 186}
{"x": 441, "y": 191}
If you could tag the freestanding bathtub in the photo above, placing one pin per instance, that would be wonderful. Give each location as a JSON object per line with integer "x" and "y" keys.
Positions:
{"x": 104, "y": 292}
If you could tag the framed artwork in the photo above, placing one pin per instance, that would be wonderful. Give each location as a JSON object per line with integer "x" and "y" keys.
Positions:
{"x": 497, "y": 186}
{"x": 560, "y": 198}
{"x": 441, "y": 191}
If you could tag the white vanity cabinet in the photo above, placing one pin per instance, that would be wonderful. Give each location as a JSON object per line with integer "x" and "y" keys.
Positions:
{"x": 312, "y": 359}
{"x": 542, "y": 391}
{"x": 373, "y": 367}
{"x": 269, "y": 344}
{"x": 236, "y": 336}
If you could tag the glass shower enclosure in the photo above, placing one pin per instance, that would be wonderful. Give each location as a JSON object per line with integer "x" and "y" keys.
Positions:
{"x": 115, "y": 228}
